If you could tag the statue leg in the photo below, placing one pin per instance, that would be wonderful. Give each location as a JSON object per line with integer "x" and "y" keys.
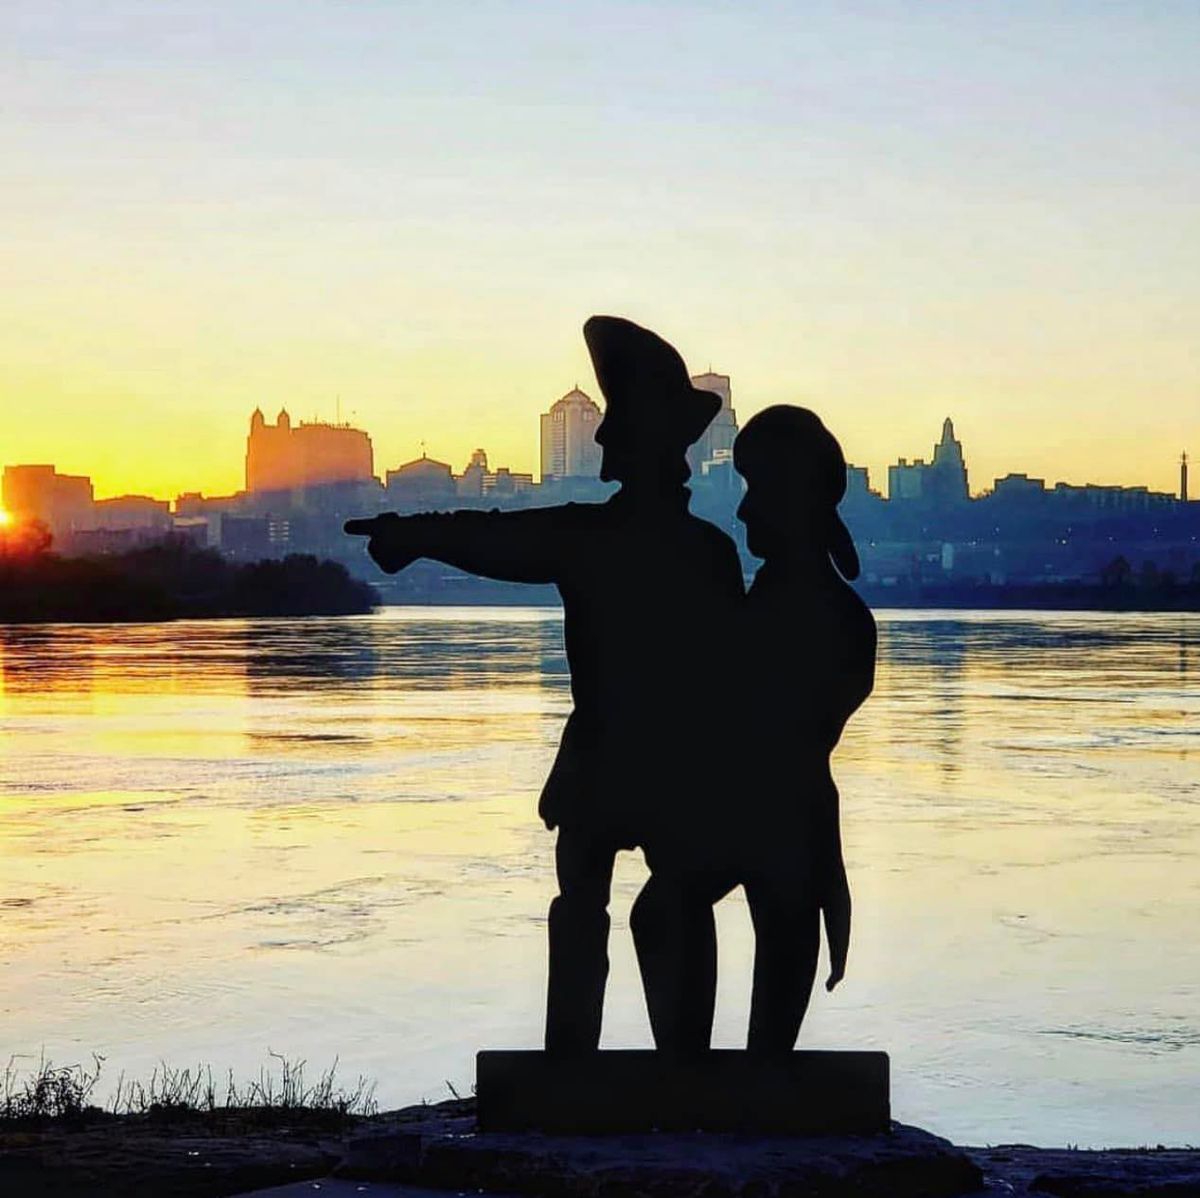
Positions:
{"x": 786, "y": 946}
{"x": 676, "y": 940}
{"x": 578, "y": 932}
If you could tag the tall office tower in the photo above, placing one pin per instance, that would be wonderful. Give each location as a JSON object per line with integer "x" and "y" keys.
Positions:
{"x": 569, "y": 448}
{"x": 940, "y": 482}
{"x": 948, "y": 470}
{"x": 282, "y": 458}
{"x": 1183, "y": 495}
{"x": 716, "y": 443}
{"x": 63, "y": 502}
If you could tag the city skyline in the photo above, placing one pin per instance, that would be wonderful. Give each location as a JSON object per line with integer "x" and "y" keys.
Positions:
{"x": 1039, "y": 458}
{"x": 358, "y": 459}
{"x": 885, "y": 214}
{"x": 117, "y": 472}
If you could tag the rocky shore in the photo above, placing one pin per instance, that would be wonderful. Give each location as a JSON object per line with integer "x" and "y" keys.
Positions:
{"x": 436, "y": 1147}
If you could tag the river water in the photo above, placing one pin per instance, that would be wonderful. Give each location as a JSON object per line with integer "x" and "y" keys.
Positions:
{"x": 318, "y": 837}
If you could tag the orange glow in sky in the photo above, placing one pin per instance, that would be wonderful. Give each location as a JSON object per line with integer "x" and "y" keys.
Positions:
{"x": 889, "y": 213}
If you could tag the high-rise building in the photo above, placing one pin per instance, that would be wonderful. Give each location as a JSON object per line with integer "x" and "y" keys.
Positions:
{"x": 1183, "y": 479}
{"x": 906, "y": 480}
{"x": 281, "y": 457}
{"x": 63, "y": 502}
{"x": 948, "y": 472}
{"x": 716, "y": 442}
{"x": 941, "y": 482}
{"x": 569, "y": 448}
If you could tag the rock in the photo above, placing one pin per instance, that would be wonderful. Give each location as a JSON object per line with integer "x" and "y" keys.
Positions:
{"x": 441, "y": 1148}
{"x": 1103, "y": 1173}
{"x": 134, "y": 1158}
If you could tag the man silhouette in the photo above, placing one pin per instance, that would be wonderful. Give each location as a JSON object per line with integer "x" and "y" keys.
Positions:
{"x": 645, "y": 586}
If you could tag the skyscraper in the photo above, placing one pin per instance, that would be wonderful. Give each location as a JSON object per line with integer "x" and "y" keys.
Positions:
{"x": 569, "y": 448}
{"x": 948, "y": 473}
{"x": 942, "y": 482}
{"x": 716, "y": 444}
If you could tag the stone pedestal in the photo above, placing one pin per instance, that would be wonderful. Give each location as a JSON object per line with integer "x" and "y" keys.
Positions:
{"x": 802, "y": 1093}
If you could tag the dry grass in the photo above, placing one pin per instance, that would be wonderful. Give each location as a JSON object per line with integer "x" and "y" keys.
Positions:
{"x": 49, "y": 1092}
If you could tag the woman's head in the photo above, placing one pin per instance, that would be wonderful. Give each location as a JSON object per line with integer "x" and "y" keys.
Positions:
{"x": 795, "y": 478}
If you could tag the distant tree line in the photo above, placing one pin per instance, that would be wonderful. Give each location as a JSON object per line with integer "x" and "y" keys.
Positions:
{"x": 172, "y": 579}
{"x": 1120, "y": 574}
{"x": 1120, "y": 588}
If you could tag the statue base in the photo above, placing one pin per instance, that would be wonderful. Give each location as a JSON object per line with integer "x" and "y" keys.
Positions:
{"x": 801, "y": 1093}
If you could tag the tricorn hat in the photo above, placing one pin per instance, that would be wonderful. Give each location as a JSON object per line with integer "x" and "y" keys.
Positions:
{"x": 644, "y": 379}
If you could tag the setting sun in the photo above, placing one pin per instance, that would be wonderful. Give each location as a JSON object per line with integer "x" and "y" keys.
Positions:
{"x": 5, "y": 518}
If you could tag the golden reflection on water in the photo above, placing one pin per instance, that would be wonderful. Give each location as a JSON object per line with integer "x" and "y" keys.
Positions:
{"x": 319, "y": 836}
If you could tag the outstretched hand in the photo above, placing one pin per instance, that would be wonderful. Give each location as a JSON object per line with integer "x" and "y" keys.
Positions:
{"x": 388, "y": 545}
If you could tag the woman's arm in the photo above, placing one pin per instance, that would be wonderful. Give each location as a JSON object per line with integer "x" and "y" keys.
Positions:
{"x": 833, "y": 884}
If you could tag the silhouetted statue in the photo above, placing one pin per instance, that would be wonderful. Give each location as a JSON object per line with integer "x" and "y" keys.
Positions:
{"x": 648, "y": 592}
{"x": 804, "y": 662}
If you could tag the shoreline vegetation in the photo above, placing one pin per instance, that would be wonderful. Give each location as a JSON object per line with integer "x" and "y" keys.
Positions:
{"x": 49, "y": 1093}
{"x": 429, "y": 584}
{"x": 1050, "y": 596}
{"x": 186, "y": 1134}
{"x": 173, "y": 580}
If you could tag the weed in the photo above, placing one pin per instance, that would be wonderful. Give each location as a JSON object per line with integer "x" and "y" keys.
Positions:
{"x": 52, "y": 1092}
{"x": 48, "y": 1092}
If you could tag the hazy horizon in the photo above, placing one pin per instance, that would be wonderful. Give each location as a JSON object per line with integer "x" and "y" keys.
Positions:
{"x": 890, "y": 212}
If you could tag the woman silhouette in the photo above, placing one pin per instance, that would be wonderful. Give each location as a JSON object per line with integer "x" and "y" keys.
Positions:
{"x": 808, "y": 644}
{"x": 804, "y": 662}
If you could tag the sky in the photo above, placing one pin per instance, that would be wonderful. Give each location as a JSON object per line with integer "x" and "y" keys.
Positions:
{"x": 889, "y": 212}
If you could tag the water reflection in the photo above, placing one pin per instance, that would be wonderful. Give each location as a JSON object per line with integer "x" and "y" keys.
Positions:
{"x": 38, "y": 657}
{"x": 445, "y": 648}
{"x": 280, "y": 655}
{"x": 931, "y": 656}
{"x": 320, "y": 835}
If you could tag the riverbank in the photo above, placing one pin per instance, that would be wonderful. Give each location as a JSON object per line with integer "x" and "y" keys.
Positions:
{"x": 1166, "y": 596}
{"x": 432, "y": 585}
{"x": 173, "y": 580}
{"x": 228, "y": 1153}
